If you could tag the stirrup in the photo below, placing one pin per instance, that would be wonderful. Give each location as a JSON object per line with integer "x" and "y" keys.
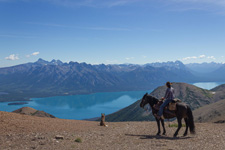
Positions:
{"x": 158, "y": 117}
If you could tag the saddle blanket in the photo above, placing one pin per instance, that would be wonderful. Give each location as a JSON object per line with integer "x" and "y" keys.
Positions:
{"x": 170, "y": 106}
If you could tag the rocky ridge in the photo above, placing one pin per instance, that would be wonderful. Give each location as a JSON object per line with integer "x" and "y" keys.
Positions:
{"x": 33, "y": 112}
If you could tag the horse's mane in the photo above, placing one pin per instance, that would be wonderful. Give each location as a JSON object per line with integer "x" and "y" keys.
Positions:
{"x": 154, "y": 99}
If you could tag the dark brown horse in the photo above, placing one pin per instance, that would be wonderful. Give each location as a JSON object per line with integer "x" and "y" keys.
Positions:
{"x": 182, "y": 111}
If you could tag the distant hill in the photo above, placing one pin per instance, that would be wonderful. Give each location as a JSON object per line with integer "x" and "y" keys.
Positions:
{"x": 214, "y": 112}
{"x": 219, "y": 88}
{"x": 190, "y": 94}
{"x": 43, "y": 78}
{"x": 211, "y": 72}
{"x": 33, "y": 112}
{"x": 204, "y": 67}
{"x": 219, "y": 73}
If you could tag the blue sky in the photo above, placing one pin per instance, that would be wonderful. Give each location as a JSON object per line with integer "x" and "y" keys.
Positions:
{"x": 112, "y": 31}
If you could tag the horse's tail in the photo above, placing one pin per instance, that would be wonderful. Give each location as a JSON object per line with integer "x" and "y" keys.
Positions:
{"x": 190, "y": 120}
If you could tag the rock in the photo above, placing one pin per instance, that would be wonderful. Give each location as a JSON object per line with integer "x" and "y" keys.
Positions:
{"x": 59, "y": 137}
{"x": 42, "y": 143}
{"x": 33, "y": 147}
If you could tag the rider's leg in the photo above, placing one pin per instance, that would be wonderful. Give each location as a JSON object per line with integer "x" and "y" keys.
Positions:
{"x": 167, "y": 101}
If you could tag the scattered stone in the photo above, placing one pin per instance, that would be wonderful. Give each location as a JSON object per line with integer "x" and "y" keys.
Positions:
{"x": 42, "y": 143}
{"x": 78, "y": 140}
{"x": 33, "y": 147}
{"x": 220, "y": 121}
{"x": 59, "y": 137}
{"x": 41, "y": 137}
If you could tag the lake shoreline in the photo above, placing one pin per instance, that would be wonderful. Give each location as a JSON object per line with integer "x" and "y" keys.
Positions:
{"x": 84, "y": 106}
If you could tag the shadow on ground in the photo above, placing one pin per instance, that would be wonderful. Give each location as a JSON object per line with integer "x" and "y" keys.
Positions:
{"x": 158, "y": 137}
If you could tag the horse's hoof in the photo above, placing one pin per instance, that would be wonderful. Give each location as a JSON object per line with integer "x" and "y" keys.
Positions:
{"x": 158, "y": 134}
{"x": 185, "y": 134}
{"x": 164, "y": 133}
{"x": 175, "y": 135}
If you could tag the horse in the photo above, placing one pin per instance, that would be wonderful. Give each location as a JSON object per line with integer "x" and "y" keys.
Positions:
{"x": 182, "y": 111}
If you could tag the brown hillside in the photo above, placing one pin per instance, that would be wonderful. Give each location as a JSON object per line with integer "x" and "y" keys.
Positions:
{"x": 211, "y": 113}
{"x": 18, "y": 132}
{"x": 189, "y": 94}
{"x": 33, "y": 112}
{"x": 219, "y": 92}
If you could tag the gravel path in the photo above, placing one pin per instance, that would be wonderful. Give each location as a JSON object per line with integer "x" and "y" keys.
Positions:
{"x": 26, "y": 132}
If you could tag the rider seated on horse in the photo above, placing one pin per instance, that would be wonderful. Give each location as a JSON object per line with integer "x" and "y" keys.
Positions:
{"x": 169, "y": 96}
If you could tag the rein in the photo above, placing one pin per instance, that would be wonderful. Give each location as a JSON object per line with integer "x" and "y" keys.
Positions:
{"x": 153, "y": 99}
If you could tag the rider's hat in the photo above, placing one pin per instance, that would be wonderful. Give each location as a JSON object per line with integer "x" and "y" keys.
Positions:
{"x": 168, "y": 84}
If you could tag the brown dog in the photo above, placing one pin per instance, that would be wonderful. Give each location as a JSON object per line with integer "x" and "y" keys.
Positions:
{"x": 102, "y": 123}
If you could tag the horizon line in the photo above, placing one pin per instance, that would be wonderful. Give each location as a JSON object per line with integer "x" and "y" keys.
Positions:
{"x": 115, "y": 63}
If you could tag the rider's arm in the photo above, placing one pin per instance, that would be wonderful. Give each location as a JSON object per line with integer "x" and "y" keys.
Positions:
{"x": 167, "y": 94}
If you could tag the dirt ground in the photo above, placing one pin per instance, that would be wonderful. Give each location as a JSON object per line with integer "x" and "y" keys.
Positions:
{"x": 22, "y": 132}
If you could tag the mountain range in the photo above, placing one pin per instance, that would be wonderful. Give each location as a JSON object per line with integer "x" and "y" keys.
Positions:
{"x": 204, "y": 67}
{"x": 208, "y": 71}
{"x": 43, "y": 78}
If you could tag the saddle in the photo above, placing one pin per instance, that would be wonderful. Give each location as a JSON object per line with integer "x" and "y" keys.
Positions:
{"x": 170, "y": 108}
{"x": 172, "y": 105}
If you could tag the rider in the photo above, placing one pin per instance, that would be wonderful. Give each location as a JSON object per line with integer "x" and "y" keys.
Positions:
{"x": 169, "y": 96}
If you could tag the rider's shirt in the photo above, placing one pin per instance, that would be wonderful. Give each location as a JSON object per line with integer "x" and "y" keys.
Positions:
{"x": 169, "y": 93}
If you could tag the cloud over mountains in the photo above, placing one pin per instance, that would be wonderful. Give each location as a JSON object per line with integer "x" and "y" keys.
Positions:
{"x": 12, "y": 57}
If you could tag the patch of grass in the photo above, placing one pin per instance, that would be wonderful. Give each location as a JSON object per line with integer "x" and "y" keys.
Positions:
{"x": 78, "y": 140}
{"x": 176, "y": 125}
{"x": 35, "y": 113}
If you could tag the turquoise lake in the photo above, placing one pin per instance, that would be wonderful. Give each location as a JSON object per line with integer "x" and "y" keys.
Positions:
{"x": 88, "y": 106}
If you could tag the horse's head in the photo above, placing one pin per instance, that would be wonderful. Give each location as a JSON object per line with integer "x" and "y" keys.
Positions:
{"x": 148, "y": 99}
{"x": 144, "y": 100}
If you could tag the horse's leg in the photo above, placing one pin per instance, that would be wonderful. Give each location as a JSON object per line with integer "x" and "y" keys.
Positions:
{"x": 186, "y": 122}
{"x": 163, "y": 125}
{"x": 158, "y": 124}
{"x": 179, "y": 126}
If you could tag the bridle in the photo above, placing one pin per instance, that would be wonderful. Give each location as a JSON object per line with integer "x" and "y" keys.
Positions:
{"x": 144, "y": 102}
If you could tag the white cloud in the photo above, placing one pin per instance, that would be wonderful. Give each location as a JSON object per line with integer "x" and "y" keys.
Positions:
{"x": 202, "y": 56}
{"x": 183, "y": 4}
{"x": 187, "y": 58}
{"x": 93, "y": 3}
{"x": 16, "y": 36}
{"x": 211, "y": 57}
{"x": 112, "y": 62}
{"x": 84, "y": 3}
{"x": 129, "y": 58}
{"x": 98, "y": 28}
{"x": 199, "y": 57}
{"x": 12, "y": 57}
{"x": 215, "y": 6}
{"x": 33, "y": 54}
{"x": 215, "y": 2}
